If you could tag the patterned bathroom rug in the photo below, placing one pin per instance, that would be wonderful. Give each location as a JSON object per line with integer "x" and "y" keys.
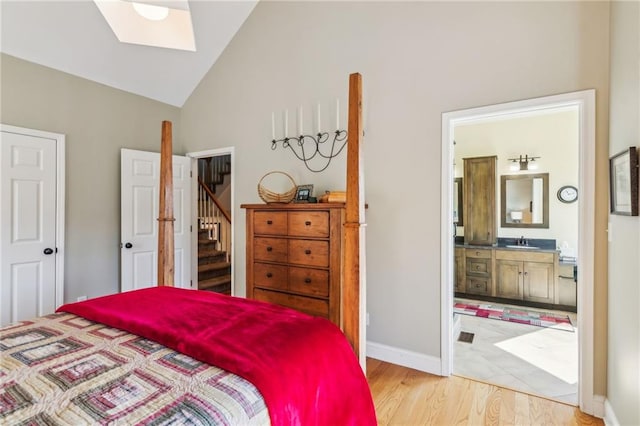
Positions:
{"x": 517, "y": 315}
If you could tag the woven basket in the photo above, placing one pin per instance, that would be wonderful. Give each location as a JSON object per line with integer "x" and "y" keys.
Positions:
{"x": 269, "y": 196}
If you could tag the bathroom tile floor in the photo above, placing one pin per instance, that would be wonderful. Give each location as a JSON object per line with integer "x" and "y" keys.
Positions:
{"x": 536, "y": 360}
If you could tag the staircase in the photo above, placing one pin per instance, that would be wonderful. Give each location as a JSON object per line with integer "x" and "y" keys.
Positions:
{"x": 212, "y": 170}
{"x": 214, "y": 269}
{"x": 214, "y": 226}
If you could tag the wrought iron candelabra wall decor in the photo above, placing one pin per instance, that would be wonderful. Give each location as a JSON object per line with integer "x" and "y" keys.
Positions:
{"x": 306, "y": 147}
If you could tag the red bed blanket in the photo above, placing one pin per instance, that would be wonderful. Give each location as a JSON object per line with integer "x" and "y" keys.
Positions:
{"x": 303, "y": 365}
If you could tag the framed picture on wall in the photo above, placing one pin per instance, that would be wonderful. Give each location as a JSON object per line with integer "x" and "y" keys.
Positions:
{"x": 623, "y": 181}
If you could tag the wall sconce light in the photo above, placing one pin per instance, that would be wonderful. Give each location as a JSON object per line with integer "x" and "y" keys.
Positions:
{"x": 523, "y": 163}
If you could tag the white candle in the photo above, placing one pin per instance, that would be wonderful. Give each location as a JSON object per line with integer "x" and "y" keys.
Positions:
{"x": 273, "y": 126}
{"x": 337, "y": 114}
{"x": 285, "y": 123}
{"x": 300, "y": 120}
{"x": 318, "y": 118}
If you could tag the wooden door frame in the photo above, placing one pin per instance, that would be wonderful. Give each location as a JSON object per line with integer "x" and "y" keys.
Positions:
{"x": 584, "y": 101}
{"x": 194, "y": 208}
{"x": 59, "y": 139}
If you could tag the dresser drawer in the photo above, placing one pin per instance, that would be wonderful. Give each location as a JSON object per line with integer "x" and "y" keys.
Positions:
{"x": 313, "y": 282}
{"x": 309, "y": 252}
{"x": 271, "y": 276}
{"x": 270, "y": 223}
{"x": 309, "y": 224}
{"x": 478, "y": 253}
{"x": 270, "y": 249}
{"x": 309, "y": 305}
{"x": 479, "y": 285}
{"x": 478, "y": 267}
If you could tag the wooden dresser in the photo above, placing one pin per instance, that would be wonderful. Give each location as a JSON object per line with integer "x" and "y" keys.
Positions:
{"x": 294, "y": 255}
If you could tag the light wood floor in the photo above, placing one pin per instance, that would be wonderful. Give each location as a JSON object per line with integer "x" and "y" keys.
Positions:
{"x": 403, "y": 396}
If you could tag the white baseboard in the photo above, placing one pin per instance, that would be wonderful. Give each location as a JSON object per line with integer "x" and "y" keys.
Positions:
{"x": 609, "y": 418}
{"x": 598, "y": 403}
{"x": 403, "y": 357}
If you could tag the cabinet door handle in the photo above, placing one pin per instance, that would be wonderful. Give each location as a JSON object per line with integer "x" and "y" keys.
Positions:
{"x": 269, "y": 274}
{"x": 307, "y": 280}
{"x": 269, "y": 248}
{"x": 526, "y": 273}
{"x": 307, "y": 251}
{"x": 269, "y": 222}
{"x": 308, "y": 223}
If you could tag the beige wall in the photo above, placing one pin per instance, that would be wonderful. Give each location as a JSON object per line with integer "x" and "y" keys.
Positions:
{"x": 554, "y": 138}
{"x": 623, "y": 387}
{"x": 418, "y": 60}
{"x": 97, "y": 121}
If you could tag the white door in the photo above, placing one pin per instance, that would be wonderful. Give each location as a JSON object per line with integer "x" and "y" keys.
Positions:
{"x": 140, "y": 179}
{"x": 28, "y": 217}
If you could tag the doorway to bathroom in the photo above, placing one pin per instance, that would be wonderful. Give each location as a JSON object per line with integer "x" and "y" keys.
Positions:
{"x": 510, "y": 303}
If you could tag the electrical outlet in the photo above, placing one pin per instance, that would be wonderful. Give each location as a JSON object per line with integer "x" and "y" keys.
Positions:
{"x": 81, "y": 298}
{"x": 367, "y": 319}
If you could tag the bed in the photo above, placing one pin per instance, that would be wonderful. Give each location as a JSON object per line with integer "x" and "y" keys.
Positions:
{"x": 166, "y": 355}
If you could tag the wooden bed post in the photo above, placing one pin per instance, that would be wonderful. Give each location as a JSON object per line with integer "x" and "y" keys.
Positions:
{"x": 354, "y": 218}
{"x": 165, "y": 217}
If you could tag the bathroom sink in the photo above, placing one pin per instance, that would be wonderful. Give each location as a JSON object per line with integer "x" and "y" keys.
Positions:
{"x": 523, "y": 247}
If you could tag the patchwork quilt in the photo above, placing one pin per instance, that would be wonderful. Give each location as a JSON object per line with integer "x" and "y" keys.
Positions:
{"x": 64, "y": 369}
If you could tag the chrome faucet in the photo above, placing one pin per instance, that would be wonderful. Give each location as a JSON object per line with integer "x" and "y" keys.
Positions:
{"x": 522, "y": 241}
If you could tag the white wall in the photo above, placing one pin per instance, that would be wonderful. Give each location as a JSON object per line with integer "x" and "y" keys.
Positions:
{"x": 418, "y": 60}
{"x": 623, "y": 387}
{"x": 97, "y": 121}
{"x": 551, "y": 136}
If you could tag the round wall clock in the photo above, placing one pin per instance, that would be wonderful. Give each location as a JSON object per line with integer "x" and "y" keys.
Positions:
{"x": 568, "y": 194}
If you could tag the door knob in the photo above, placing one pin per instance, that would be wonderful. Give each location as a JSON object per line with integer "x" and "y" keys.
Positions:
{"x": 128, "y": 245}
{"x": 48, "y": 251}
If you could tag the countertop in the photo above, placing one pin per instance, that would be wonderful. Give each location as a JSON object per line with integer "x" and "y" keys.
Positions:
{"x": 537, "y": 245}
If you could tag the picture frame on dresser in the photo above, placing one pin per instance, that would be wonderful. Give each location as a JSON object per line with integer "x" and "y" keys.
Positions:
{"x": 303, "y": 193}
{"x": 623, "y": 182}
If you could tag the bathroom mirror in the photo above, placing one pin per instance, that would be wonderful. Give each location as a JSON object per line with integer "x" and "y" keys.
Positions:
{"x": 457, "y": 201}
{"x": 524, "y": 201}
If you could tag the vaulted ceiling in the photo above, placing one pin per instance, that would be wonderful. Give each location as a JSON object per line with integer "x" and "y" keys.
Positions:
{"x": 73, "y": 36}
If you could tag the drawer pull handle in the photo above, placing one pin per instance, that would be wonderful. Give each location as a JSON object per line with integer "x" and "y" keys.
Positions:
{"x": 308, "y": 223}
{"x": 269, "y": 222}
{"x": 269, "y": 248}
{"x": 477, "y": 267}
{"x": 477, "y": 253}
{"x": 307, "y": 280}
{"x": 307, "y": 251}
{"x": 269, "y": 274}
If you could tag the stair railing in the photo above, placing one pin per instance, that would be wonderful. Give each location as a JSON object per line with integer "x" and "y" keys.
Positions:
{"x": 214, "y": 218}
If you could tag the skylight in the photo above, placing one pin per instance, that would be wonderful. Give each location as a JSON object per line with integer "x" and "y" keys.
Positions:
{"x": 157, "y": 23}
